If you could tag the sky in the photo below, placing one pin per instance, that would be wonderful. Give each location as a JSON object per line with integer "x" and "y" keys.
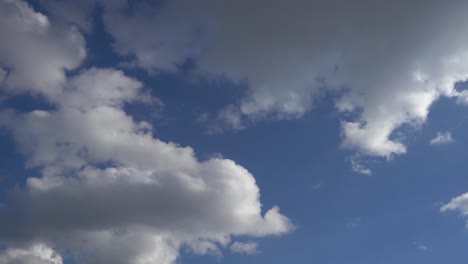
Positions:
{"x": 175, "y": 131}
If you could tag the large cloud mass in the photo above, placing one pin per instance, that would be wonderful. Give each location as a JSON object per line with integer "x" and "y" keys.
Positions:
{"x": 393, "y": 58}
{"x": 106, "y": 178}
{"x": 108, "y": 191}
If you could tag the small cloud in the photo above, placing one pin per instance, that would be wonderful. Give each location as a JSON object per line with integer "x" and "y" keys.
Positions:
{"x": 232, "y": 117}
{"x": 205, "y": 248}
{"x": 419, "y": 246}
{"x": 229, "y": 118}
{"x": 354, "y": 223}
{"x": 462, "y": 97}
{"x": 442, "y": 138}
{"x": 459, "y": 204}
{"x": 316, "y": 186}
{"x": 244, "y": 247}
{"x": 356, "y": 166}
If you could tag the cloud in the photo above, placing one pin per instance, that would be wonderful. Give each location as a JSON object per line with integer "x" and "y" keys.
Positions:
{"x": 419, "y": 246}
{"x": 35, "y": 254}
{"x": 459, "y": 204}
{"x": 462, "y": 97}
{"x": 357, "y": 166}
{"x": 34, "y": 52}
{"x": 354, "y": 223}
{"x": 107, "y": 181}
{"x": 316, "y": 186}
{"x": 292, "y": 54}
{"x": 244, "y": 247}
{"x": 442, "y": 138}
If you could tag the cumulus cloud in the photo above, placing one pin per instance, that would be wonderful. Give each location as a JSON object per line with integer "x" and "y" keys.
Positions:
{"x": 442, "y": 138}
{"x": 35, "y": 254}
{"x": 34, "y": 53}
{"x": 105, "y": 178}
{"x": 292, "y": 53}
{"x": 244, "y": 247}
{"x": 459, "y": 204}
{"x": 112, "y": 193}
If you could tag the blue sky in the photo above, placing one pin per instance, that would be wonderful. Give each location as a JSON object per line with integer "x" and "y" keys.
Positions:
{"x": 198, "y": 132}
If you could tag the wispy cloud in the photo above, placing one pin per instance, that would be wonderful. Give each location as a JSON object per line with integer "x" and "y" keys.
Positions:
{"x": 317, "y": 186}
{"x": 421, "y": 247}
{"x": 357, "y": 166}
{"x": 442, "y": 138}
{"x": 354, "y": 223}
{"x": 245, "y": 247}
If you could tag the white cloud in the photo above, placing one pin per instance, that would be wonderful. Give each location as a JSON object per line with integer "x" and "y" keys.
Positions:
{"x": 421, "y": 247}
{"x": 244, "y": 247}
{"x": 35, "y": 52}
{"x": 424, "y": 248}
{"x": 107, "y": 181}
{"x": 357, "y": 166}
{"x": 442, "y": 138}
{"x": 462, "y": 97}
{"x": 459, "y": 204}
{"x": 292, "y": 53}
{"x": 35, "y": 254}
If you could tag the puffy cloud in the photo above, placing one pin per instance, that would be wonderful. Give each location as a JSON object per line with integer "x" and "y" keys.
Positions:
{"x": 34, "y": 52}
{"x": 106, "y": 178}
{"x": 36, "y": 254}
{"x": 442, "y": 138}
{"x": 244, "y": 247}
{"x": 459, "y": 204}
{"x": 292, "y": 53}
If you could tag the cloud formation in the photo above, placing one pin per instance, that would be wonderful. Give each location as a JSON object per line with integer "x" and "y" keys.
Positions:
{"x": 421, "y": 247}
{"x": 244, "y": 247}
{"x": 292, "y": 53}
{"x": 35, "y": 254}
{"x": 108, "y": 191}
{"x": 442, "y": 138}
{"x": 459, "y": 204}
{"x": 34, "y": 52}
{"x": 105, "y": 177}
